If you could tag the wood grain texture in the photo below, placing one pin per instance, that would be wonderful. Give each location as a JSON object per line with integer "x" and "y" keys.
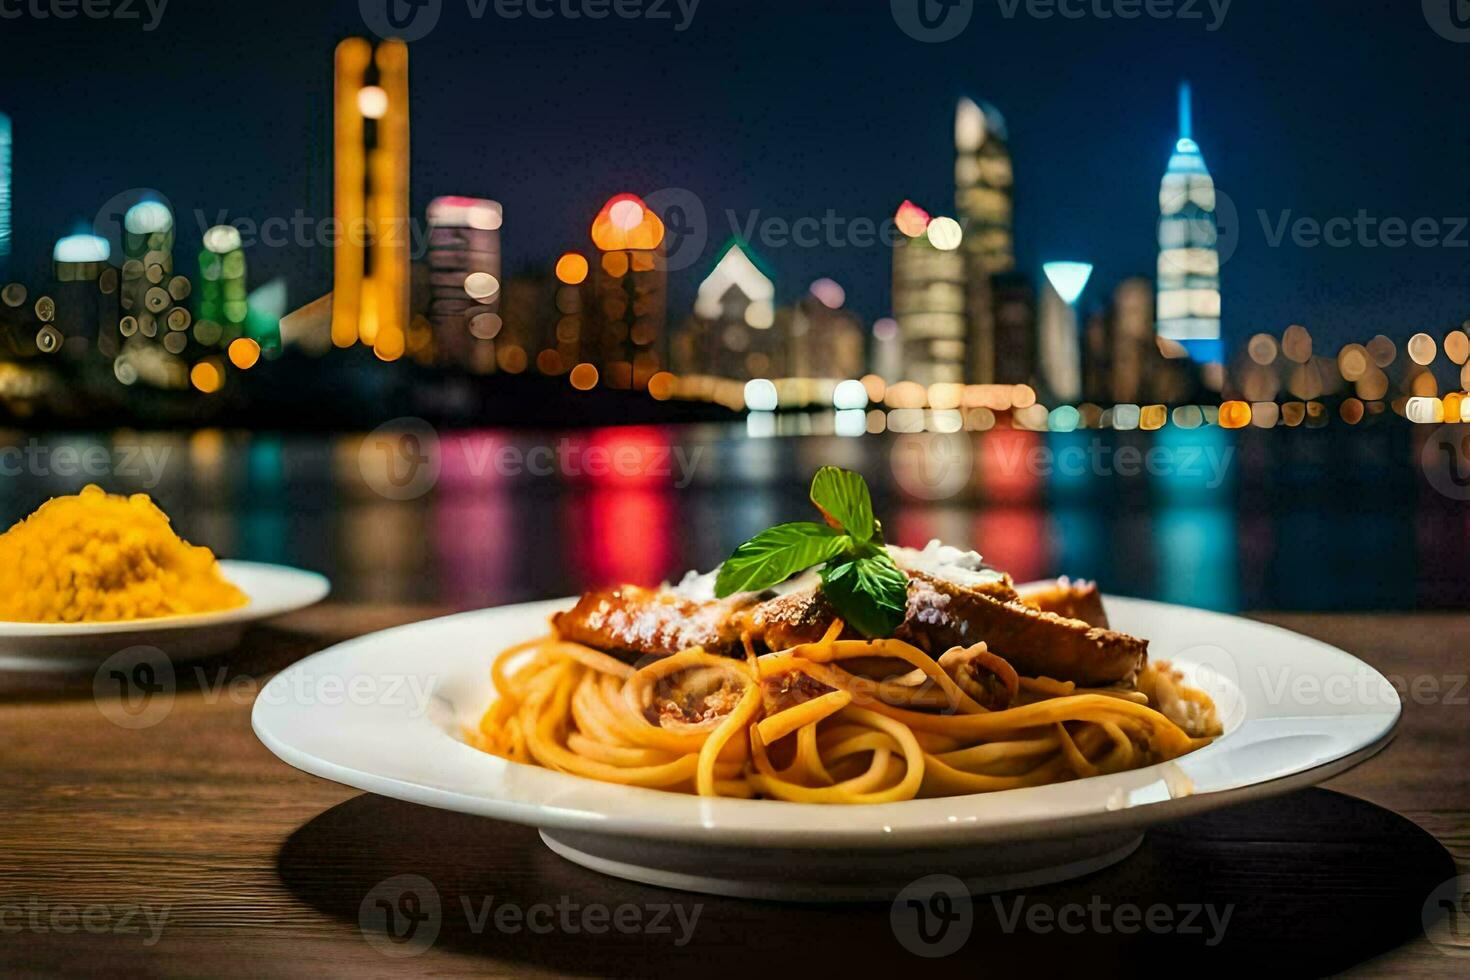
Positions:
{"x": 262, "y": 870}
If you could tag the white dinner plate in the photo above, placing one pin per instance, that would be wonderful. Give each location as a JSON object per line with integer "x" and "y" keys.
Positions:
{"x": 1296, "y": 711}
{"x": 272, "y": 590}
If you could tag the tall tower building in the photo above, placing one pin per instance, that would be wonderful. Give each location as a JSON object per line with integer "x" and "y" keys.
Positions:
{"x": 984, "y": 185}
{"x": 4, "y": 193}
{"x": 929, "y": 296}
{"x": 371, "y": 275}
{"x": 1059, "y": 336}
{"x": 631, "y": 291}
{"x": 732, "y": 333}
{"x": 1189, "y": 259}
{"x": 464, "y": 278}
{"x": 984, "y": 202}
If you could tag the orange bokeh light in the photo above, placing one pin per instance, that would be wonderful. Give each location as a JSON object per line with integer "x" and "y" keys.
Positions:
{"x": 207, "y": 377}
{"x": 571, "y": 269}
{"x": 613, "y": 230}
{"x": 911, "y": 219}
{"x": 584, "y": 377}
{"x": 244, "y": 353}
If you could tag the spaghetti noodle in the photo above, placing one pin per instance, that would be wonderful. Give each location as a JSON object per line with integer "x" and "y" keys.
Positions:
{"x": 798, "y": 725}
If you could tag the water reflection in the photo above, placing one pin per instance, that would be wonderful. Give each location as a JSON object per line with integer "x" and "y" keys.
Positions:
{"x": 1252, "y": 519}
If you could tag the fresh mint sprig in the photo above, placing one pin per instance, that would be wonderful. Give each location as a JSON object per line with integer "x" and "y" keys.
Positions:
{"x": 859, "y": 578}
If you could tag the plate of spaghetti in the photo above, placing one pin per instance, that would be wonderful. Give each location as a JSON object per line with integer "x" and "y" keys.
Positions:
{"x": 826, "y": 716}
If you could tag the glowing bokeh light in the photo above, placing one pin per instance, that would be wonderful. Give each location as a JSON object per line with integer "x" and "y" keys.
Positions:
{"x": 244, "y": 353}
{"x": 829, "y": 293}
{"x": 372, "y": 102}
{"x": 911, "y": 219}
{"x": 760, "y": 395}
{"x": 81, "y": 248}
{"x": 571, "y": 269}
{"x": 583, "y": 377}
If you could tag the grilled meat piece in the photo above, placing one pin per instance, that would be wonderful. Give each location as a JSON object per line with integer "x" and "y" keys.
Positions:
{"x": 631, "y": 622}
{"x": 942, "y": 615}
{"x": 1073, "y": 600}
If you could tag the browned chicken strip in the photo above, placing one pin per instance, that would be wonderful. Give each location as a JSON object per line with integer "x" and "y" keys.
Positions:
{"x": 942, "y": 615}
{"x": 1072, "y": 600}
{"x": 1062, "y": 634}
{"x": 634, "y": 622}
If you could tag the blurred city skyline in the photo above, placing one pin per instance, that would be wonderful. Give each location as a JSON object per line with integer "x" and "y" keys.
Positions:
{"x": 765, "y": 112}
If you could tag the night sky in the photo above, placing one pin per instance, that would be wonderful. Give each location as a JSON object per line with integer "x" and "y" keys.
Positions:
{"x": 789, "y": 109}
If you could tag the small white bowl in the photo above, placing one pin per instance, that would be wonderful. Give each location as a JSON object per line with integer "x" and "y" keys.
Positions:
{"x": 66, "y": 647}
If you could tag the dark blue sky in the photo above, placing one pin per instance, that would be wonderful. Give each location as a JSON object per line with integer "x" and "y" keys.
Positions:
{"x": 1316, "y": 108}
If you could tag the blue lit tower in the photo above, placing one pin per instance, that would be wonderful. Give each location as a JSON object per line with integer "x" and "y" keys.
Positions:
{"x": 4, "y": 191}
{"x": 1189, "y": 258}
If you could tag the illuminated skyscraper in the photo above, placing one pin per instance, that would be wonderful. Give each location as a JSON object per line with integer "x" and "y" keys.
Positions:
{"x": 464, "y": 284}
{"x": 823, "y": 338}
{"x": 929, "y": 296}
{"x": 1061, "y": 354}
{"x": 1189, "y": 259}
{"x": 630, "y": 290}
{"x": 731, "y": 334}
{"x": 1133, "y": 351}
{"x": 984, "y": 185}
{"x": 372, "y": 278}
{"x": 984, "y": 202}
{"x": 4, "y": 191}
{"x": 1015, "y": 329}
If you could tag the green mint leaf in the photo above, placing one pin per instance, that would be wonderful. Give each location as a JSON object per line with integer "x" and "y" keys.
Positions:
{"x": 869, "y": 593}
{"x": 776, "y": 554}
{"x": 842, "y": 497}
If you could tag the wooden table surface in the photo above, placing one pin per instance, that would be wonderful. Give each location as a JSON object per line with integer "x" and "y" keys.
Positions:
{"x": 185, "y": 848}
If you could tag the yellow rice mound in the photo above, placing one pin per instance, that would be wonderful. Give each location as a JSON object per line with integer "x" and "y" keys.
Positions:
{"x": 98, "y": 557}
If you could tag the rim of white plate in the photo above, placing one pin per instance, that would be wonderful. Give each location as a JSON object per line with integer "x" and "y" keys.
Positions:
{"x": 271, "y": 589}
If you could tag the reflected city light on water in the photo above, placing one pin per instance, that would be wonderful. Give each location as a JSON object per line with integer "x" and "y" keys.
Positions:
{"x": 1288, "y": 519}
